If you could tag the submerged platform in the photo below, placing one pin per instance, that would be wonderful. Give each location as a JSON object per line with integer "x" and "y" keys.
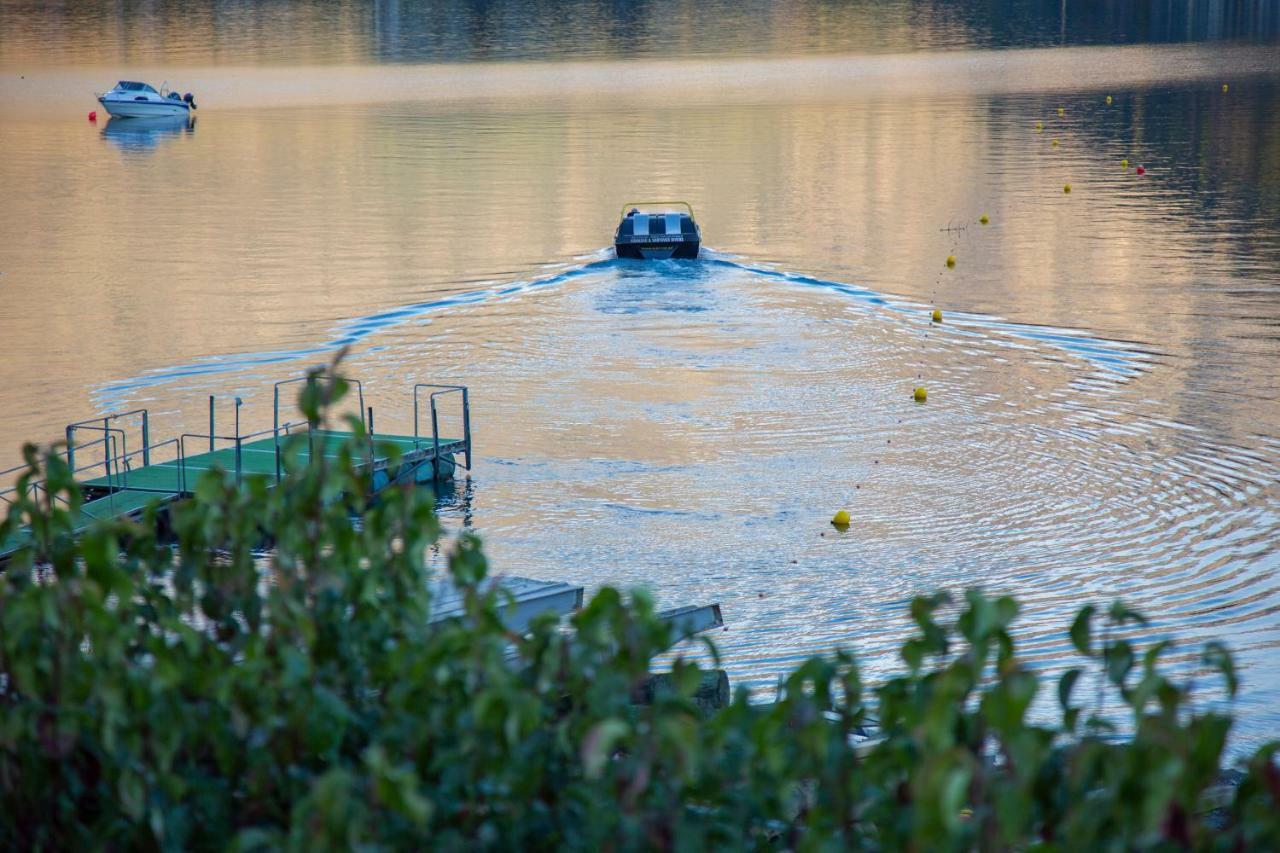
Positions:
{"x": 119, "y": 483}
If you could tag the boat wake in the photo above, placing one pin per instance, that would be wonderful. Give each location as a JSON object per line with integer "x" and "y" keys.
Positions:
{"x": 349, "y": 332}
{"x": 1110, "y": 361}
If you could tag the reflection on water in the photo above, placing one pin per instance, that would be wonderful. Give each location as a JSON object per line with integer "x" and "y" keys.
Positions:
{"x": 144, "y": 134}
{"x": 454, "y": 499}
{"x": 244, "y": 32}
{"x": 1103, "y": 393}
{"x": 663, "y": 84}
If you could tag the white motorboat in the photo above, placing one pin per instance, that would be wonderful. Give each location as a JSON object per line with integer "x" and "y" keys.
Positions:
{"x": 130, "y": 99}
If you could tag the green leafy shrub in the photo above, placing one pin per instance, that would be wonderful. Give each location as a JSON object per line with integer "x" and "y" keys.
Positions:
{"x": 201, "y": 694}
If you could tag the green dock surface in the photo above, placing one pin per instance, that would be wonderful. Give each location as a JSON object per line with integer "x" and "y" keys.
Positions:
{"x": 126, "y": 493}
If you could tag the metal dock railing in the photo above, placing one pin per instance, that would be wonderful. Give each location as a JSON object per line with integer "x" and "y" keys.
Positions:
{"x": 123, "y": 482}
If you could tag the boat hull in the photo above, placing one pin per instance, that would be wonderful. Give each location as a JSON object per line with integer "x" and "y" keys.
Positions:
{"x": 144, "y": 109}
{"x": 657, "y": 250}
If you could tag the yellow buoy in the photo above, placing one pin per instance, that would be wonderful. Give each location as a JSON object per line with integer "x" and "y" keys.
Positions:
{"x": 1061, "y": 111}
{"x": 1124, "y": 164}
{"x": 1039, "y": 126}
{"x": 1224, "y": 87}
{"x": 1066, "y": 188}
{"x": 1108, "y": 100}
{"x": 937, "y": 316}
{"x": 1055, "y": 143}
{"x": 951, "y": 260}
{"x": 841, "y": 518}
{"x": 983, "y": 219}
{"x": 920, "y": 394}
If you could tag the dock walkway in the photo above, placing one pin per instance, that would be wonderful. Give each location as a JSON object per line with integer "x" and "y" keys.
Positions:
{"x": 126, "y": 483}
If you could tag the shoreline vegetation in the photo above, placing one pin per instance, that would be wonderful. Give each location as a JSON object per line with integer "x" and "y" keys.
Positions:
{"x": 200, "y": 694}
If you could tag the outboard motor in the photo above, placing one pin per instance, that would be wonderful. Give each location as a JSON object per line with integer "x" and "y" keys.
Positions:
{"x": 190, "y": 99}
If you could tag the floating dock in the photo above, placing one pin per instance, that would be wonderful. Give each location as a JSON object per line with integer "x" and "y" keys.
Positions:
{"x": 522, "y": 599}
{"x": 120, "y": 483}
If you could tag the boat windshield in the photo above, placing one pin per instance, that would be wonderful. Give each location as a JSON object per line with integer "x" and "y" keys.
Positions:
{"x": 131, "y": 86}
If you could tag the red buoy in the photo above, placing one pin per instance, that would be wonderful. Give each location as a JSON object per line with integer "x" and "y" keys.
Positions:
{"x": 93, "y": 115}
{"x": 1141, "y": 170}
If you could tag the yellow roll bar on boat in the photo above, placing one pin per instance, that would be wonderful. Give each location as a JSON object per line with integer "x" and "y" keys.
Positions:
{"x": 639, "y": 204}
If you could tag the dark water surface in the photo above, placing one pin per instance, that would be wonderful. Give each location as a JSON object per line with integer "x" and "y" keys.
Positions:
{"x": 435, "y": 187}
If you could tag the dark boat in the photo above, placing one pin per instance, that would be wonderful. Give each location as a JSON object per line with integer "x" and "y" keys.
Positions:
{"x": 658, "y": 233}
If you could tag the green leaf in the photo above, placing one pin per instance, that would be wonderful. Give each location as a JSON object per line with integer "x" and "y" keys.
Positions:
{"x": 1120, "y": 615}
{"x": 1152, "y": 656}
{"x": 1070, "y": 718}
{"x": 1119, "y": 661}
{"x": 923, "y": 607}
{"x": 1217, "y": 656}
{"x": 933, "y": 638}
{"x": 1005, "y": 705}
{"x": 1081, "y": 630}
{"x": 913, "y": 652}
{"x": 397, "y": 787}
{"x": 599, "y": 744}
{"x": 1006, "y": 610}
{"x": 1065, "y": 685}
{"x": 1099, "y": 725}
{"x": 133, "y": 795}
{"x": 954, "y": 795}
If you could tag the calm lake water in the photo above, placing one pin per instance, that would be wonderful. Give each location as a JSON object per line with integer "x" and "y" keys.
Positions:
{"x": 435, "y": 186}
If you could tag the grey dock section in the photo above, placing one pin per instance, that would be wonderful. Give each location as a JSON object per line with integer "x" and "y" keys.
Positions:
{"x": 519, "y": 599}
{"x": 522, "y": 599}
